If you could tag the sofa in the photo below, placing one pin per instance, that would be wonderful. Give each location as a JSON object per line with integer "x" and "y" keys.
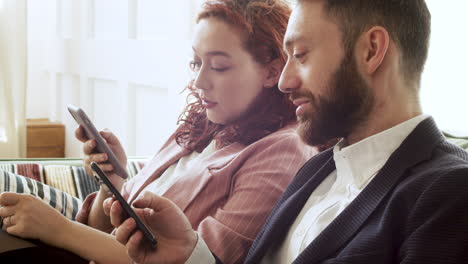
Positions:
{"x": 64, "y": 184}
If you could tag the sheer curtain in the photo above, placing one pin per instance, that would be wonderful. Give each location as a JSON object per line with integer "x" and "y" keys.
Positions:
{"x": 12, "y": 78}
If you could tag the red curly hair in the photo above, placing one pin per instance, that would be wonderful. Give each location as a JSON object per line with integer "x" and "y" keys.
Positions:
{"x": 263, "y": 23}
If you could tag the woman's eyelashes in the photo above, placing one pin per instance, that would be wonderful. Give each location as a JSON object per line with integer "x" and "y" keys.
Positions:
{"x": 195, "y": 66}
{"x": 220, "y": 69}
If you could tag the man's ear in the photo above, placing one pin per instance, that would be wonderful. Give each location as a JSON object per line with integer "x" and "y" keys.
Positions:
{"x": 274, "y": 69}
{"x": 372, "y": 48}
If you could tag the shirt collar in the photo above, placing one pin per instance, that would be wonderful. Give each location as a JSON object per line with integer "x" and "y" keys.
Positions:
{"x": 359, "y": 162}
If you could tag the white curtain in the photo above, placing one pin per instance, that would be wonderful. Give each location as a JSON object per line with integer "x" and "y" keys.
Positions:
{"x": 12, "y": 78}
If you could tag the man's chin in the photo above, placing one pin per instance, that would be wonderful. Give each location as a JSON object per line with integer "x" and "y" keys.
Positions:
{"x": 305, "y": 131}
{"x": 311, "y": 134}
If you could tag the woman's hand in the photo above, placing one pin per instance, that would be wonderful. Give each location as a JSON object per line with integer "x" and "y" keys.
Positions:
{"x": 91, "y": 155}
{"x": 27, "y": 216}
{"x": 174, "y": 233}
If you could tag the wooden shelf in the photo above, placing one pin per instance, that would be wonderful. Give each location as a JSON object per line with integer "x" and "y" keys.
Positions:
{"x": 45, "y": 139}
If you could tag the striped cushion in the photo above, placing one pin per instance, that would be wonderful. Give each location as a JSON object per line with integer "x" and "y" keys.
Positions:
{"x": 61, "y": 185}
{"x": 65, "y": 203}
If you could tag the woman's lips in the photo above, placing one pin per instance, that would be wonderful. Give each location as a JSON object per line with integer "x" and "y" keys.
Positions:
{"x": 208, "y": 104}
{"x": 302, "y": 105}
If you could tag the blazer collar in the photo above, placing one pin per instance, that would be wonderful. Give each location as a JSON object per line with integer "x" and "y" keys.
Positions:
{"x": 424, "y": 138}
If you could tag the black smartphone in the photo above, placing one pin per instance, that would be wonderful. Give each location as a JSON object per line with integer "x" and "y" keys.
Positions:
{"x": 102, "y": 178}
{"x": 82, "y": 119}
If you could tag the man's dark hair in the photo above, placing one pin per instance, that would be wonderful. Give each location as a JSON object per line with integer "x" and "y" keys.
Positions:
{"x": 407, "y": 21}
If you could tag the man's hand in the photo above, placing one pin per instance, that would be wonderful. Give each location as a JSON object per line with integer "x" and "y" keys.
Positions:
{"x": 174, "y": 233}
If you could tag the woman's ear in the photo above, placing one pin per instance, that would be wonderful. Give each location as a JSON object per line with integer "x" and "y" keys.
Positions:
{"x": 273, "y": 73}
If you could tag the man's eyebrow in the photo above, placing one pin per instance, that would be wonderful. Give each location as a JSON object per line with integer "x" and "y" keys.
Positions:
{"x": 290, "y": 41}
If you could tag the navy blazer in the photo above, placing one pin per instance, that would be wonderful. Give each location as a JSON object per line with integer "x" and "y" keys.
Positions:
{"x": 415, "y": 210}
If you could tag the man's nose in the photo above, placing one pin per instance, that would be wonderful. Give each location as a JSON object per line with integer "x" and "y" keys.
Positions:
{"x": 289, "y": 80}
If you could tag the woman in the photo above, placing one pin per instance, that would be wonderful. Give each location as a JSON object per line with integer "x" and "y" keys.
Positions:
{"x": 232, "y": 155}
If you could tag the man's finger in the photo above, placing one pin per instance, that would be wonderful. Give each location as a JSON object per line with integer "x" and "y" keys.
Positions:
{"x": 153, "y": 201}
{"x": 134, "y": 247}
{"x": 125, "y": 230}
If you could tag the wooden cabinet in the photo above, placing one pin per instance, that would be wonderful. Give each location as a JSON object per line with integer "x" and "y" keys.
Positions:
{"x": 45, "y": 139}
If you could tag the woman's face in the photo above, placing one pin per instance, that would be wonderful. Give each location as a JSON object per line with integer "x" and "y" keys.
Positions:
{"x": 226, "y": 76}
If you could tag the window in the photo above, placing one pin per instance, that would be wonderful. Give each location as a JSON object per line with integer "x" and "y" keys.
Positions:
{"x": 444, "y": 88}
{"x": 3, "y": 137}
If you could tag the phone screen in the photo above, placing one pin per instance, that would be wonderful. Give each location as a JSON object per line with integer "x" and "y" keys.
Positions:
{"x": 128, "y": 210}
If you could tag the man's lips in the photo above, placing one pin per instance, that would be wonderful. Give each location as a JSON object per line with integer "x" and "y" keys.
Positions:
{"x": 299, "y": 102}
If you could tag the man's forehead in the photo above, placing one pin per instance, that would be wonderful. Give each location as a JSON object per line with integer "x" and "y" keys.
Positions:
{"x": 299, "y": 24}
{"x": 308, "y": 20}
{"x": 293, "y": 29}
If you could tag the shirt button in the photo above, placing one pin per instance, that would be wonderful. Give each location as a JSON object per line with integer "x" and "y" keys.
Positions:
{"x": 300, "y": 232}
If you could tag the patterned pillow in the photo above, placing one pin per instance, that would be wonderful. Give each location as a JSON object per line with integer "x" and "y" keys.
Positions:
{"x": 58, "y": 183}
{"x": 67, "y": 178}
{"x": 63, "y": 202}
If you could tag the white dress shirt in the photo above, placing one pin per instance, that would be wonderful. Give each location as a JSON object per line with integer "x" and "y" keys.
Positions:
{"x": 356, "y": 166}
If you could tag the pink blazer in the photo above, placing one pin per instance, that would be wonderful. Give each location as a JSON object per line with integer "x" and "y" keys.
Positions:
{"x": 228, "y": 199}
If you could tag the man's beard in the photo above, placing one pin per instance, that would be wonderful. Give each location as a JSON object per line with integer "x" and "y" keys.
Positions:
{"x": 347, "y": 105}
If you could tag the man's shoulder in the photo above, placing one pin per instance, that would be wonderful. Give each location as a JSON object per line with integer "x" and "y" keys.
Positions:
{"x": 445, "y": 158}
{"x": 446, "y": 167}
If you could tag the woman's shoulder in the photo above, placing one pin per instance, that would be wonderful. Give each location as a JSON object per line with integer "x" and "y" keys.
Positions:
{"x": 285, "y": 138}
{"x": 287, "y": 133}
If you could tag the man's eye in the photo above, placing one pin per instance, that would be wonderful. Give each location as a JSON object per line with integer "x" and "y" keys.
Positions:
{"x": 299, "y": 55}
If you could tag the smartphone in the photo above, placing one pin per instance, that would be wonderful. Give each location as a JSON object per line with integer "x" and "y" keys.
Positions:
{"x": 102, "y": 178}
{"x": 82, "y": 119}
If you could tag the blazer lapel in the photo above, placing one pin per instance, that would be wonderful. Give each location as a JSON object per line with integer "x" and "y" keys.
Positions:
{"x": 423, "y": 139}
{"x": 290, "y": 204}
{"x": 200, "y": 176}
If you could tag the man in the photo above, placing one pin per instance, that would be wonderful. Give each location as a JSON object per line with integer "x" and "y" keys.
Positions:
{"x": 392, "y": 191}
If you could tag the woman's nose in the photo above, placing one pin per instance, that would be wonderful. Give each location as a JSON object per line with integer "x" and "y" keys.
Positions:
{"x": 200, "y": 80}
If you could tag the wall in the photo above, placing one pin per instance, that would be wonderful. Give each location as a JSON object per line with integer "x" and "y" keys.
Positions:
{"x": 123, "y": 61}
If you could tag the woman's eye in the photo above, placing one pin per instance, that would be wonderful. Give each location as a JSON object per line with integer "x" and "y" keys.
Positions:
{"x": 220, "y": 69}
{"x": 195, "y": 65}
